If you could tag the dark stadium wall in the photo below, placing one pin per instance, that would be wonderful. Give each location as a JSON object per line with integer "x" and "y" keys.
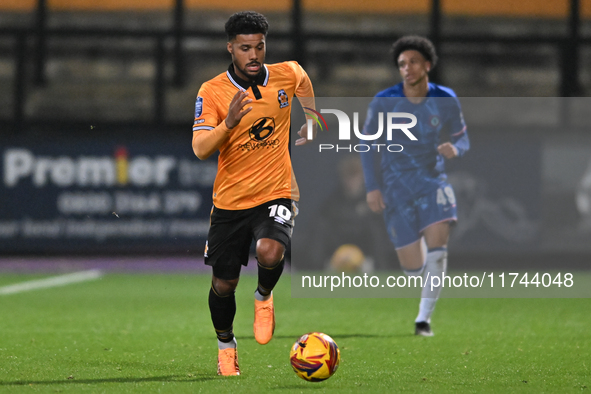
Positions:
{"x": 501, "y": 8}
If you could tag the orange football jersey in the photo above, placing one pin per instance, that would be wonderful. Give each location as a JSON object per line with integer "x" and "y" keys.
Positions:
{"x": 254, "y": 164}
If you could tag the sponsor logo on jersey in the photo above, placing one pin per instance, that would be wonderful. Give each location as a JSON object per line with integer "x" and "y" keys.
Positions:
{"x": 260, "y": 132}
{"x": 198, "y": 106}
{"x": 262, "y": 129}
{"x": 282, "y": 98}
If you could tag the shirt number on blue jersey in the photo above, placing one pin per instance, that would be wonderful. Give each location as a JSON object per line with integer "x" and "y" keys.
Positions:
{"x": 445, "y": 195}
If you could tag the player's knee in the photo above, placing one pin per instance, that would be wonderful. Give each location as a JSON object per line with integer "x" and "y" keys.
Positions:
{"x": 411, "y": 256}
{"x": 413, "y": 267}
{"x": 224, "y": 287}
{"x": 269, "y": 252}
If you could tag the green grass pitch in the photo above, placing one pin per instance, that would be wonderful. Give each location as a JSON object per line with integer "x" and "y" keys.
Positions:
{"x": 144, "y": 333}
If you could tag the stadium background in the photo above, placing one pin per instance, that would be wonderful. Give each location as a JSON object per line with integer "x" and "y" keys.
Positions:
{"x": 84, "y": 84}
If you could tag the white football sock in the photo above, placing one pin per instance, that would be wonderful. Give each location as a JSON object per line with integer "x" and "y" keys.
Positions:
{"x": 259, "y": 297}
{"x": 227, "y": 345}
{"x": 435, "y": 265}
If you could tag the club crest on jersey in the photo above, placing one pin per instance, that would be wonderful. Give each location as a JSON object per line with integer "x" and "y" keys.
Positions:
{"x": 434, "y": 120}
{"x": 282, "y": 98}
{"x": 198, "y": 106}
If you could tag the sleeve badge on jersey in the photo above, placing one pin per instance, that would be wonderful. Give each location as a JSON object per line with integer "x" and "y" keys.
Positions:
{"x": 282, "y": 98}
{"x": 198, "y": 106}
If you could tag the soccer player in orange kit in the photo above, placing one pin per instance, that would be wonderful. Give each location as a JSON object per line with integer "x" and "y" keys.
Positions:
{"x": 245, "y": 114}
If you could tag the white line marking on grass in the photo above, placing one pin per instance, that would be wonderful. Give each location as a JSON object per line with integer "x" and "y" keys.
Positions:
{"x": 53, "y": 281}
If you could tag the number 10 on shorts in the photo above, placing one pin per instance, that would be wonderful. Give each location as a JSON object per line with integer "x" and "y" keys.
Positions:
{"x": 281, "y": 211}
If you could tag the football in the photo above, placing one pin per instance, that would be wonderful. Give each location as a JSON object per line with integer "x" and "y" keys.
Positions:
{"x": 315, "y": 357}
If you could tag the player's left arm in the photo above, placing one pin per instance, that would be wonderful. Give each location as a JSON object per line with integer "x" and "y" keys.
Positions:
{"x": 305, "y": 93}
{"x": 459, "y": 141}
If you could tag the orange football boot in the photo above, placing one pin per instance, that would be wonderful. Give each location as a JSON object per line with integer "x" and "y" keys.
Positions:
{"x": 264, "y": 320}
{"x": 228, "y": 362}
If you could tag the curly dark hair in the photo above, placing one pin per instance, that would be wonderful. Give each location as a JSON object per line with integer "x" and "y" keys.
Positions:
{"x": 418, "y": 43}
{"x": 246, "y": 22}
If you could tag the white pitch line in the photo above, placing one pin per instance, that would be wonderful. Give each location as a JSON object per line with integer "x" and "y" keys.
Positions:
{"x": 53, "y": 281}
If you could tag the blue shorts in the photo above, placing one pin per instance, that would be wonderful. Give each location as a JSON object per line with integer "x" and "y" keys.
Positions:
{"x": 405, "y": 222}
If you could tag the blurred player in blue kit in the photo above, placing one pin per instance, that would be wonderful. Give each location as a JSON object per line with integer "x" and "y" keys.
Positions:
{"x": 410, "y": 187}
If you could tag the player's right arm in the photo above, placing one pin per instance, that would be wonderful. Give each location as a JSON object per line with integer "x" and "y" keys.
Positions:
{"x": 375, "y": 201}
{"x": 371, "y": 174}
{"x": 208, "y": 139}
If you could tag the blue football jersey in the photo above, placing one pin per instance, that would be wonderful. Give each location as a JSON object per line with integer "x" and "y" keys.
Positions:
{"x": 418, "y": 168}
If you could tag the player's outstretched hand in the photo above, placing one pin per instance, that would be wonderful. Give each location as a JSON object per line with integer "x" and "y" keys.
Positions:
{"x": 448, "y": 150}
{"x": 236, "y": 111}
{"x": 303, "y": 133}
{"x": 375, "y": 201}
